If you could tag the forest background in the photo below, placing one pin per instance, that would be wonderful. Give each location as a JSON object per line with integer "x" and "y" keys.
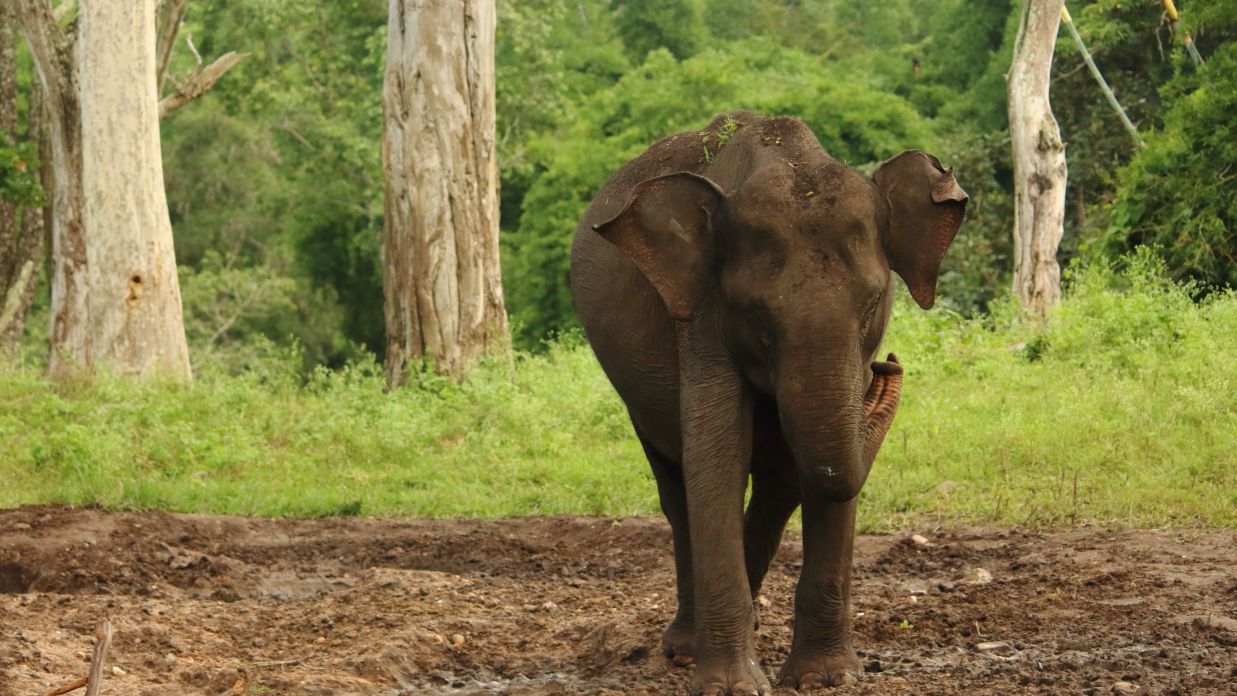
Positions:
{"x": 276, "y": 195}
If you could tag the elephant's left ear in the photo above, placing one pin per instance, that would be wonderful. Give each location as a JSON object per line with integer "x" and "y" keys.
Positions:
{"x": 926, "y": 206}
{"x": 666, "y": 229}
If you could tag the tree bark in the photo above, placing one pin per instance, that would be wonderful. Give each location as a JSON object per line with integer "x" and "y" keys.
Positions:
{"x": 1039, "y": 160}
{"x": 115, "y": 291}
{"x": 53, "y": 53}
{"x": 441, "y": 275}
{"x": 135, "y": 310}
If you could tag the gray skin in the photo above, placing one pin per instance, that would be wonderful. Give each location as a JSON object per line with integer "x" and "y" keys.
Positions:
{"x": 736, "y": 301}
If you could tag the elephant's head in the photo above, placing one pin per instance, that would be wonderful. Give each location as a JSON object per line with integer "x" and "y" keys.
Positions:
{"x": 792, "y": 251}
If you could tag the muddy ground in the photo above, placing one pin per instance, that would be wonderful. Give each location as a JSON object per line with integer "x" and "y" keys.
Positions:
{"x": 213, "y": 605}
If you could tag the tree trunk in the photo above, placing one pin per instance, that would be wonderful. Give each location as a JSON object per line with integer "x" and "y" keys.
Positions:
{"x": 135, "y": 311}
{"x": 115, "y": 291}
{"x": 1039, "y": 160}
{"x": 21, "y": 224}
{"x": 52, "y": 52}
{"x": 441, "y": 275}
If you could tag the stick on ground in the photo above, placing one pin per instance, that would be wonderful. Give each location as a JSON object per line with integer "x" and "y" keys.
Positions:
{"x": 104, "y": 639}
{"x": 71, "y": 686}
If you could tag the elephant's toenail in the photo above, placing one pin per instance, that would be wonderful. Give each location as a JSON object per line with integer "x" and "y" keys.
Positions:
{"x": 812, "y": 680}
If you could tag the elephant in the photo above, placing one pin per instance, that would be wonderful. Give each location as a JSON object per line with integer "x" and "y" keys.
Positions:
{"x": 734, "y": 283}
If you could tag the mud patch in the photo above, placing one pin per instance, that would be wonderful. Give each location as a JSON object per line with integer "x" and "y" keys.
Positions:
{"x": 213, "y": 605}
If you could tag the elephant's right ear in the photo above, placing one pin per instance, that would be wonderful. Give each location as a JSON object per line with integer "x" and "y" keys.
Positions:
{"x": 666, "y": 230}
{"x": 926, "y": 206}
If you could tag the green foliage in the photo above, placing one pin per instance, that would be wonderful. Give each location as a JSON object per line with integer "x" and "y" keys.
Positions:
{"x": 279, "y": 166}
{"x": 1117, "y": 411}
{"x": 647, "y": 25}
{"x": 1179, "y": 194}
{"x": 1114, "y": 411}
{"x": 546, "y": 436}
{"x": 547, "y": 57}
{"x": 19, "y": 172}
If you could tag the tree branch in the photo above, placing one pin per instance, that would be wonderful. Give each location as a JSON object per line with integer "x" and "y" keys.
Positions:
{"x": 13, "y": 300}
{"x": 1099, "y": 78}
{"x": 199, "y": 83}
{"x": 49, "y": 46}
{"x": 171, "y": 12}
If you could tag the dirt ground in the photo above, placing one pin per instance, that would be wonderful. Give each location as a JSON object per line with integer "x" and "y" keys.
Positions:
{"x": 213, "y": 605}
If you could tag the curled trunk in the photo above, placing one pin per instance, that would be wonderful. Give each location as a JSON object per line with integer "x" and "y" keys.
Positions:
{"x": 836, "y": 438}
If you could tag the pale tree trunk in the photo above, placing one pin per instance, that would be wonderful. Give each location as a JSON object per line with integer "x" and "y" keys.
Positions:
{"x": 115, "y": 292}
{"x": 441, "y": 276}
{"x": 21, "y": 225}
{"x": 1039, "y": 160}
{"x": 135, "y": 310}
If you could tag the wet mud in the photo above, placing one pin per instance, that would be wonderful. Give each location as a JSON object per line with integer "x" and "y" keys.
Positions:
{"x": 561, "y": 605}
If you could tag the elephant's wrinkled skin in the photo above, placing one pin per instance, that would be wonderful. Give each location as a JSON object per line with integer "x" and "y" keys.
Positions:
{"x": 736, "y": 300}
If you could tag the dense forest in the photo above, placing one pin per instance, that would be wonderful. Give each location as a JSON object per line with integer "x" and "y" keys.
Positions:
{"x": 274, "y": 178}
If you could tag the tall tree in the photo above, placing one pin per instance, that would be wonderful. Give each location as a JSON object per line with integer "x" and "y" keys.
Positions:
{"x": 440, "y": 267}
{"x": 1039, "y": 159}
{"x": 134, "y": 305}
{"x": 115, "y": 295}
{"x": 21, "y": 212}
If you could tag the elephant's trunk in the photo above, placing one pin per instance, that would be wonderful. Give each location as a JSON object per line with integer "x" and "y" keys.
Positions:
{"x": 836, "y": 433}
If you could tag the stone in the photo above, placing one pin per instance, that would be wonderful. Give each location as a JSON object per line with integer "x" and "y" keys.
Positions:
{"x": 978, "y": 576}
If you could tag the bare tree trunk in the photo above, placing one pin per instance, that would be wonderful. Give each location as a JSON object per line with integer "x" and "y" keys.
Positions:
{"x": 441, "y": 275}
{"x": 21, "y": 224}
{"x": 53, "y": 53}
{"x": 115, "y": 291}
{"x": 135, "y": 312}
{"x": 1039, "y": 160}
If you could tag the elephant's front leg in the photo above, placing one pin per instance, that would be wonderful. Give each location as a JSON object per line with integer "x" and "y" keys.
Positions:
{"x": 716, "y": 416}
{"x": 821, "y": 653}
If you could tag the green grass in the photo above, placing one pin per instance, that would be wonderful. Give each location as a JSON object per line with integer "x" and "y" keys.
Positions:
{"x": 1119, "y": 411}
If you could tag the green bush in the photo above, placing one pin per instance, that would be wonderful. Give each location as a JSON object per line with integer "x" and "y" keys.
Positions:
{"x": 19, "y": 172}
{"x": 1117, "y": 410}
{"x": 1179, "y": 193}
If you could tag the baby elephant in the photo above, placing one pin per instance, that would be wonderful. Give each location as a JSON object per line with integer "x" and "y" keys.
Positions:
{"x": 735, "y": 285}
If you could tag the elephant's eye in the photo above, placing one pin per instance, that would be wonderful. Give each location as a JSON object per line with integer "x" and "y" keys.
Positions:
{"x": 870, "y": 314}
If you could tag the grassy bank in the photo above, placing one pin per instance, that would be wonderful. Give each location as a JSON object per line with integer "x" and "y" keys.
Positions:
{"x": 1121, "y": 410}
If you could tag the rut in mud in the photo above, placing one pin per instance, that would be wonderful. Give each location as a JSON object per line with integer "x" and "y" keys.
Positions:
{"x": 214, "y": 605}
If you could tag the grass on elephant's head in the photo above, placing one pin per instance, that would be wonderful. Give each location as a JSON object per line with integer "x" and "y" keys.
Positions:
{"x": 1118, "y": 411}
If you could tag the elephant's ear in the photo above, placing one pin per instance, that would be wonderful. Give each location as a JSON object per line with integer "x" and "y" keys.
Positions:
{"x": 926, "y": 206}
{"x": 665, "y": 230}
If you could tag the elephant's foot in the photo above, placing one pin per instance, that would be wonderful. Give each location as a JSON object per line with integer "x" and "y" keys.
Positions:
{"x": 678, "y": 642}
{"x": 738, "y": 677}
{"x": 804, "y": 672}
